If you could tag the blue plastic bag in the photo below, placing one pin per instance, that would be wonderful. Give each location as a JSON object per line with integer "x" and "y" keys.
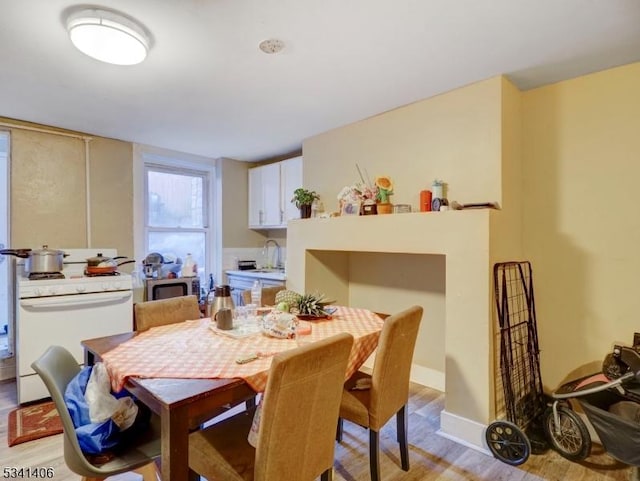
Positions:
{"x": 94, "y": 438}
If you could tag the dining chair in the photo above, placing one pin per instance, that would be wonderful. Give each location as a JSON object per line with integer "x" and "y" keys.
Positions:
{"x": 295, "y": 440}
{"x": 268, "y": 295}
{"x": 165, "y": 311}
{"x": 57, "y": 367}
{"x": 170, "y": 311}
{"x": 385, "y": 391}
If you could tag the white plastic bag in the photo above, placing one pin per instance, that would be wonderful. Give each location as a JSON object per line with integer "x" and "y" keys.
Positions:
{"x": 103, "y": 405}
{"x": 252, "y": 437}
{"x": 280, "y": 324}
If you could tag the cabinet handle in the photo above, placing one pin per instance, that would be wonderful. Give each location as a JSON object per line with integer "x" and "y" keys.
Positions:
{"x": 281, "y": 217}
{"x": 260, "y": 215}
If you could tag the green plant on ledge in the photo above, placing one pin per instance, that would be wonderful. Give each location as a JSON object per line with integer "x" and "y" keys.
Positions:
{"x": 304, "y": 197}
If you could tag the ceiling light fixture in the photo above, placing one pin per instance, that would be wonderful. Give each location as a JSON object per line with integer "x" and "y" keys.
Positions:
{"x": 108, "y": 36}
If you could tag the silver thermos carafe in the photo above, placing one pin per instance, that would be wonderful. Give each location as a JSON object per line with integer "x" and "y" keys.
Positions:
{"x": 222, "y": 298}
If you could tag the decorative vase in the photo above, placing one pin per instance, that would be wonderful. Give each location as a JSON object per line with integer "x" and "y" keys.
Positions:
{"x": 385, "y": 207}
{"x": 305, "y": 211}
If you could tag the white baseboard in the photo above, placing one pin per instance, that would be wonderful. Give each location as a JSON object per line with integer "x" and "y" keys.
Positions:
{"x": 463, "y": 431}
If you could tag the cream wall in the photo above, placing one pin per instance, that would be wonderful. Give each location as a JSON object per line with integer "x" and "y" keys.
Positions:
{"x": 581, "y": 223}
{"x": 235, "y": 208}
{"x": 49, "y": 192}
{"x": 406, "y": 279}
{"x": 111, "y": 195}
{"x": 455, "y": 137}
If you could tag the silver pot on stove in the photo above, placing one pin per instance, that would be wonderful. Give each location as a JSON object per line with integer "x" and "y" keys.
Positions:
{"x": 39, "y": 261}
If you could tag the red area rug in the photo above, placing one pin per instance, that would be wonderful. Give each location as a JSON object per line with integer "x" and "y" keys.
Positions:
{"x": 33, "y": 422}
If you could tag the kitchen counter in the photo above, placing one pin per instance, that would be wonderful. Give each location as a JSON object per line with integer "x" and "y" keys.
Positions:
{"x": 243, "y": 280}
{"x": 270, "y": 274}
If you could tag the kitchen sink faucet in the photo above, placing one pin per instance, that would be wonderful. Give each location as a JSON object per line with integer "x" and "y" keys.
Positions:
{"x": 265, "y": 253}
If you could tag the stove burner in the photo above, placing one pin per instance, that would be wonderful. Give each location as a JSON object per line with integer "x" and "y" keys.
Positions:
{"x": 101, "y": 274}
{"x": 38, "y": 276}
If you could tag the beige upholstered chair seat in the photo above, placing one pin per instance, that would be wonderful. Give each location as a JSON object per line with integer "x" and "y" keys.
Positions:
{"x": 232, "y": 457}
{"x": 355, "y": 403}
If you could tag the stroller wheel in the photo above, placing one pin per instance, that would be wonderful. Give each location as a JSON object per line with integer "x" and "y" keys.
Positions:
{"x": 571, "y": 437}
{"x": 508, "y": 443}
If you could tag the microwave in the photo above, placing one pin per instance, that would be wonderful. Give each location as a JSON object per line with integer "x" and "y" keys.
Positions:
{"x": 165, "y": 288}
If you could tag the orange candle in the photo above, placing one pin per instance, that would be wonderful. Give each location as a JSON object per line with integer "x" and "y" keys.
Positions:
{"x": 425, "y": 201}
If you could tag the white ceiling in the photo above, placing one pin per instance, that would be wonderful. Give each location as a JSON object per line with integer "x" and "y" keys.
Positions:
{"x": 206, "y": 89}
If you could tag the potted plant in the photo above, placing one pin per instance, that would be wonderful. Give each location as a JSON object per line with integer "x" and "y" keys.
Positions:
{"x": 303, "y": 199}
{"x": 385, "y": 189}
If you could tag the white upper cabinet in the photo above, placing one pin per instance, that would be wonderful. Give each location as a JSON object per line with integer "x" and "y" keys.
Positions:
{"x": 291, "y": 179}
{"x": 264, "y": 196}
{"x": 271, "y": 188}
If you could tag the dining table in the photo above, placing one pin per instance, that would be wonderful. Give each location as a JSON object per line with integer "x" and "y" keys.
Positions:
{"x": 189, "y": 372}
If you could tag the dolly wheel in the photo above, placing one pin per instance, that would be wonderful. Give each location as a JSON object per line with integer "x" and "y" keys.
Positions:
{"x": 508, "y": 442}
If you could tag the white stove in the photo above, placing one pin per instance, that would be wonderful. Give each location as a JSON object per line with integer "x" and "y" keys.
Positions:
{"x": 66, "y": 311}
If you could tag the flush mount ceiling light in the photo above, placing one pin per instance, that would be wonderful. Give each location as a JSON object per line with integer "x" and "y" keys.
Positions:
{"x": 108, "y": 36}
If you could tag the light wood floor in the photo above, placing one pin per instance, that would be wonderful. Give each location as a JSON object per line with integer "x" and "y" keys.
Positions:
{"x": 432, "y": 457}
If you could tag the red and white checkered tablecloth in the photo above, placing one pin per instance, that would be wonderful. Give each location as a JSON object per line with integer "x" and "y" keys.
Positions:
{"x": 191, "y": 349}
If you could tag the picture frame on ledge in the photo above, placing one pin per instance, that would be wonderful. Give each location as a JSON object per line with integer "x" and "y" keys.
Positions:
{"x": 350, "y": 208}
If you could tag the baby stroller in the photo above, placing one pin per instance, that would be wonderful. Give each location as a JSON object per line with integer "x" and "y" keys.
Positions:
{"x": 611, "y": 402}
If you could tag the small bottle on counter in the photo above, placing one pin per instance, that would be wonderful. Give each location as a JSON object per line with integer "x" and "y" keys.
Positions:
{"x": 188, "y": 267}
{"x": 211, "y": 298}
{"x": 437, "y": 189}
{"x": 256, "y": 293}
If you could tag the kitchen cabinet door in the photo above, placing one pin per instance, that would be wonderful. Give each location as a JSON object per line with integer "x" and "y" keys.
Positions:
{"x": 291, "y": 177}
{"x": 271, "y": 195}
{"x": 264, "y": 197}
{"x": 256, "y": 213}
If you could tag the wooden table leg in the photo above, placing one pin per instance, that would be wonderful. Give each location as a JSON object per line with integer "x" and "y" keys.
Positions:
{"x": 175, "y": 445}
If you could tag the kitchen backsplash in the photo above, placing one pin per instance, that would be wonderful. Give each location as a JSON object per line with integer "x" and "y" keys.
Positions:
{"x": 231, "y": 256}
